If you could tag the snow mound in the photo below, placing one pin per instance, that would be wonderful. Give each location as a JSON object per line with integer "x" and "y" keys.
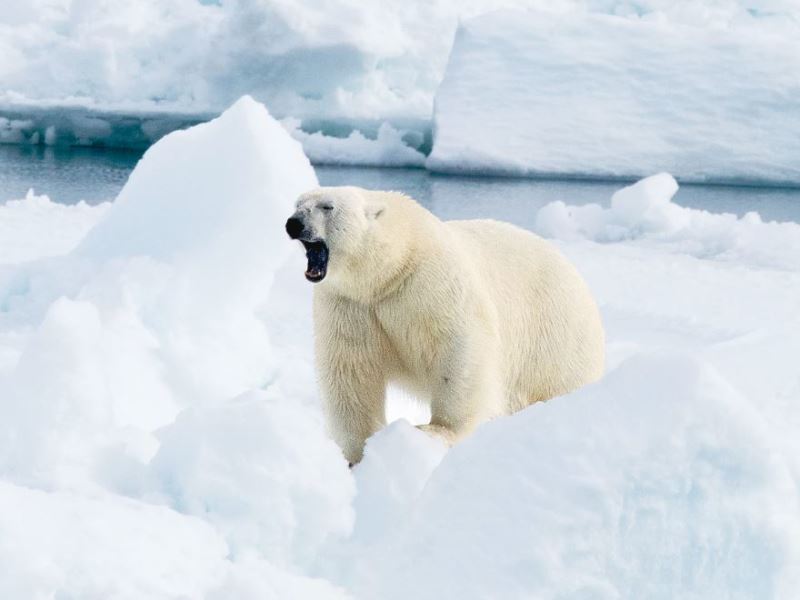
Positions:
{"x": 612, "y": 96}
{"x": 217, "y": 246}
{"x": 160, "y": 305}
{"x": 62, "y": 544}
{"x": 103, "y": 546}
{"x": 254, "y": 579}
{"x": 659, "y": 482}
{"x": 644, "y": 211}
{"x": 397, "y": 464}
{"x": 35, "y": 227}
{"x": 262, "y": 470}
{"x": 167, "y": 209}
{"x": 116, "y": 361}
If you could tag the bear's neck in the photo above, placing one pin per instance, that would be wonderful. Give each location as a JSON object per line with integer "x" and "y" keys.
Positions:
{"x": 399, "y": 239}
{"x": 373, "y": 276}
{"x": 390, "y": 257}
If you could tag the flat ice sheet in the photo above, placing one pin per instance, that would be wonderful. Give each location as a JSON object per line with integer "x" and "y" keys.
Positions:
{"x": 597, "y": 95}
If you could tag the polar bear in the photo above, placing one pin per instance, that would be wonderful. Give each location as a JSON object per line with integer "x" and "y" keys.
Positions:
{"x": 478, "y": 318}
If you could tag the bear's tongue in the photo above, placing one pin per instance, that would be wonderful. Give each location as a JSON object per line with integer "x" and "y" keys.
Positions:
{"x": 317, "y": 255}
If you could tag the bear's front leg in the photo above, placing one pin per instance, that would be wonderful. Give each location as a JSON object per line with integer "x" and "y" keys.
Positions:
{"x": 350, "y": 371}
{"x": 354, "y": 407}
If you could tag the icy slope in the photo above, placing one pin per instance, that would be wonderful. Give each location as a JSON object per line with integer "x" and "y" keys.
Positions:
{"x": 160, "y": 430}
{"x": 608, "y": 96}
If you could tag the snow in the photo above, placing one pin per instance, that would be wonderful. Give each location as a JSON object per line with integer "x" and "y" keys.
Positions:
{"x": 585, "y": 75}
{"x": 644, "y": 212}
{"x": 397, "y": 465}
{"x": 260, "y": 468}
{"x": 35, "y": 227}
{"x": 610, "y": 493}
{"x": 161, "y": 434}
{"x": 547, "y": 93}
{"x": 119, "y": 359}
{"x": 85, "y": 547}
{"x": 310, "y": 59}
{"x": 388, "y": 149}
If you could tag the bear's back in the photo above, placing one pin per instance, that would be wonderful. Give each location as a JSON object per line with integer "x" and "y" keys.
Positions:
{"x": 547, "y": 318}
{"x": 510, "y": 258}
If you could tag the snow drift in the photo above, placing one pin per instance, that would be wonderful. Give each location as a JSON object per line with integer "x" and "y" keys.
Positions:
{"x": 35, "y": 227}
{"x": 608, "y": 96}
{"x": 160, "y": 432}
{"x": 660, "y": 482}
{"x": 645, "y": 212}
{"x": 121, "y": 357}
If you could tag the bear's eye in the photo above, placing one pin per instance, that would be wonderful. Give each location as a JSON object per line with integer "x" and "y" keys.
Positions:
{"x": 325, "y": 206}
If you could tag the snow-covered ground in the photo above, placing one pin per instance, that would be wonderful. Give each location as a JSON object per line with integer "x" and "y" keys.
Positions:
{"x": 706, "y": 90}
{"x": 161, "y": 437}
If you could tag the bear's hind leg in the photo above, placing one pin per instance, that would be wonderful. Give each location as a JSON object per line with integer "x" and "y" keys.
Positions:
{"x": 463, "y": 400}
{"x": 440, "y": 431}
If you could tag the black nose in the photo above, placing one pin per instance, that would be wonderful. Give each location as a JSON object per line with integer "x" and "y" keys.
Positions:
{"x": 294, "y": 227}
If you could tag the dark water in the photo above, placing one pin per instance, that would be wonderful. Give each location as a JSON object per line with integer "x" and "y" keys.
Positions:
{"x": 69, "y": 175}
{"x": 66, "y": 174}
{"x": 460, "y": 197}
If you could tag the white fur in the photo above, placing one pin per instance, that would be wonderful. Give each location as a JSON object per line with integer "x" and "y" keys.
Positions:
{"x": 479, "y": 318}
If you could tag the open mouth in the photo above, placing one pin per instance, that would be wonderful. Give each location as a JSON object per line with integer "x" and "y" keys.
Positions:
{"x": 317, "y": 255}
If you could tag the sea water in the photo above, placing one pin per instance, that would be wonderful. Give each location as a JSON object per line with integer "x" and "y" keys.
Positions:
{"x": 70, "y": 174}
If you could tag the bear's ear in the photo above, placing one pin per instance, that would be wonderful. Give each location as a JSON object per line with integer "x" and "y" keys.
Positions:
{"x": 374, "y": 210}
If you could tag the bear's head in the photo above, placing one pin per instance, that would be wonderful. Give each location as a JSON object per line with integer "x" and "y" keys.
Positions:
{"x": 331, "y": 223}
